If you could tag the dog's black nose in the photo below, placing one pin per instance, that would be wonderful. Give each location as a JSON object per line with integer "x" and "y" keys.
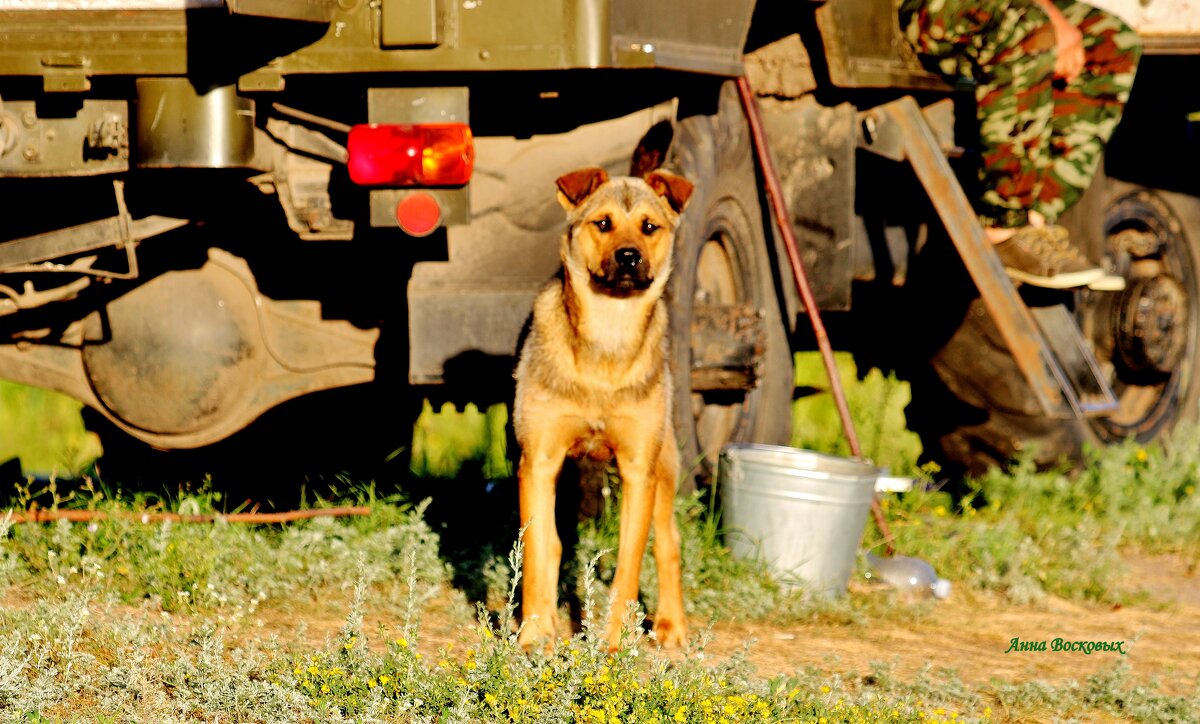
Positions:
{"x": 628, "y": 258}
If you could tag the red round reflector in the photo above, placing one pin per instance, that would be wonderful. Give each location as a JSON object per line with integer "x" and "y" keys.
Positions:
{"x": 418, "y": 214}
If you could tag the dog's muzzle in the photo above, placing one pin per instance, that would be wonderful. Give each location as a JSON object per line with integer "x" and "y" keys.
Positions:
{"x": 626, "y": 272}
{"x": 628, "y": 259}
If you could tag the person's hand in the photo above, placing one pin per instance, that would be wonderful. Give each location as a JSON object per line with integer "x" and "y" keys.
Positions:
{"x": 1068, "y": 41}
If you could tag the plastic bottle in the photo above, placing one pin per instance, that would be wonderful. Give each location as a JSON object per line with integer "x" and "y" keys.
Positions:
{"x": 911, "y": 576}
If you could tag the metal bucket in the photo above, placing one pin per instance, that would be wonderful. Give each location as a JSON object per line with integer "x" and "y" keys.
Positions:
{"x": 803, "y": 512}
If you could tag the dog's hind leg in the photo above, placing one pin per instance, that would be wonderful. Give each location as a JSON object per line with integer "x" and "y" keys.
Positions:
{"x": 670, "y": 622}
{"x": 538, "y": 478}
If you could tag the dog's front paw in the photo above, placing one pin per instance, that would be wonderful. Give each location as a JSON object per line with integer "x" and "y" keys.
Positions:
{"x": 535, "y": 631}
{"x": 670, "y": 632}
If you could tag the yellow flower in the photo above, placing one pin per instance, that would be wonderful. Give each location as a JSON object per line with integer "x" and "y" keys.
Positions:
{"x": 680, "y": 714}
{"x": 1141, "y": 455}
{"x": 324, "y": 688}
{"x": 490, "y": 699}
{"x": 402, "y": 643}
{"x": 825, "y": 690}
{"x": 313, "y": 670}
{"x": 298, "y": 671}
{"x": 384, "y": 679}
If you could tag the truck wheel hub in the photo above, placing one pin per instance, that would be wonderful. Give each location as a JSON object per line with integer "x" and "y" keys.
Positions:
{"x": 1151, "y": 325}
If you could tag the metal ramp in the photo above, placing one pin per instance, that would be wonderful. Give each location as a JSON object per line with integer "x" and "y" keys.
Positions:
{"x": 1045, "y": 342}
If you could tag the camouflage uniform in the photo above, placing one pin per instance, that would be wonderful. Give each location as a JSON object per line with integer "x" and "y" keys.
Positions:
{"x": 1042, "y": 138}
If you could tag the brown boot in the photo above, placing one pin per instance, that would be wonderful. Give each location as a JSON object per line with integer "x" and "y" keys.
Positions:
{"x": 1043, "y": 257}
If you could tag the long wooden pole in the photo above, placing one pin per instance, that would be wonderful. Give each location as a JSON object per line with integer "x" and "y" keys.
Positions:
{"x": 784, "y": 220}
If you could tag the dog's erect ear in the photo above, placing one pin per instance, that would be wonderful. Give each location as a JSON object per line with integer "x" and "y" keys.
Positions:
{"x": 676, "y": 190}
{"x": 576, "y": 186}
{"x": 652, "y": 150}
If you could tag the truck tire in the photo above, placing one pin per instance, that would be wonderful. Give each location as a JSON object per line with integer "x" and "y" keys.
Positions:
{"x": 973, "y": 408}
{"x": 722, "y": 257}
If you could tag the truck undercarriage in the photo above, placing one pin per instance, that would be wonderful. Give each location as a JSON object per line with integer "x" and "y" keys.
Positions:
{"x": 185, "y": 249}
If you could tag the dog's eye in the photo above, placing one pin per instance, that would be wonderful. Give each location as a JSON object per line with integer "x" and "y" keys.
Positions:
{"x": 604, "y": 224}
{"x": 649, "y": 228}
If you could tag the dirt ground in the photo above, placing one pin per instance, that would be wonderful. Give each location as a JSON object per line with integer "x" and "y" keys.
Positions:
{"x": 968, "y": 632}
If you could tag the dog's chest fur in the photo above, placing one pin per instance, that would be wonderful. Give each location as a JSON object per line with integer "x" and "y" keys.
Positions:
{"x": 597, "y": 363}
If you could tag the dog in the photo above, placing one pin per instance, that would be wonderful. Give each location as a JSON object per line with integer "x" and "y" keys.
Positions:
{"x": 594, "y": 380}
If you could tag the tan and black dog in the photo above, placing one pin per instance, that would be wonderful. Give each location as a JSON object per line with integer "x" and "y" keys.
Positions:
{"x": 594, "y": 380}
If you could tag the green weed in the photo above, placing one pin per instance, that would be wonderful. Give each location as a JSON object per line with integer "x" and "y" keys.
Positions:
{"x": 444, "y": 440}
{"x": 876, "y": 405}
{"x": 1026, "y": 533}
{"x": 77, "y": 655}
{"x": 219, "y": 567}
{"x": 44, "y": 431}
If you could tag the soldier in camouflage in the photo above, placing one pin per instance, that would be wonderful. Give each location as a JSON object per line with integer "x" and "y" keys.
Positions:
{"x": 1052, "y": 78}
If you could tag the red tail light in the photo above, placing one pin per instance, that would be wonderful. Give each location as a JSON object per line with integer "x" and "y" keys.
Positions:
{"x": 436, "y": 154}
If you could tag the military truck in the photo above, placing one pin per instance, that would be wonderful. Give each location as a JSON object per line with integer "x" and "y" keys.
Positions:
{"x": 215, "y": 208}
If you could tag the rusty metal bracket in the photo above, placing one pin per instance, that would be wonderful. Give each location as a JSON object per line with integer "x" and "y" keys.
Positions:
{"x": 1080, "y": 368}
{"x": 902, "y": 128}
{"x": 36, "y": 253}
{"x": 728, "y": 342}
{"x": 12, "y": 301}
{"x": 302, "y": 185}
{"x": 305, "y": 140}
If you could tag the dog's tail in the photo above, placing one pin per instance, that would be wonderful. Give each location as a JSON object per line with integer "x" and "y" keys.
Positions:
{"x": 593, "y": 486}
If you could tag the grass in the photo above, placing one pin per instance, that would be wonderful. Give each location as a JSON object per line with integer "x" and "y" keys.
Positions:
{"x": 876, "y": 405}
{"x": 1026, "y": 534}
{"x": 43, "y": 431}
{"x": 163, "y": 623}
{"x": 445, "y": 440}
{"x": 123, "y": 621}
